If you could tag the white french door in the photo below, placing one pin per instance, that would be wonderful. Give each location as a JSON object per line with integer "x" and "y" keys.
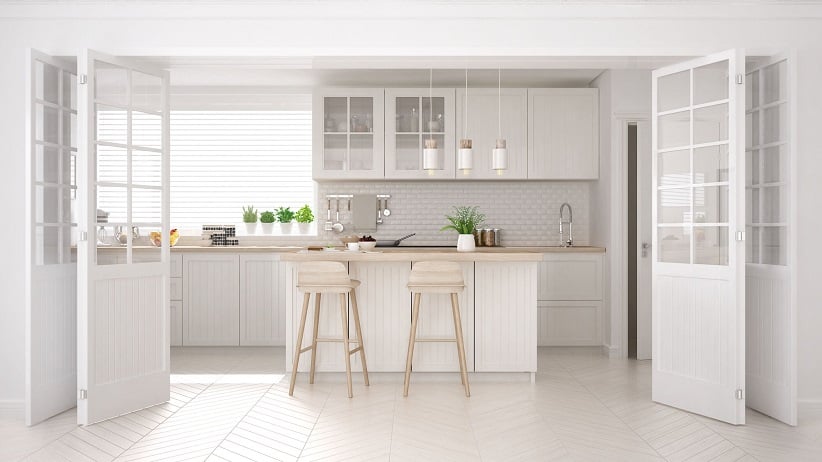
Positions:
{"x": 698, "y": 215}
{"x": 770, "y": 366}
{"x": 123, "y": 281}
{"x": 51, "y": 258}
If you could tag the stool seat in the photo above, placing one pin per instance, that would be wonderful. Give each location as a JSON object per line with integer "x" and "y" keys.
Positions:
{"x": 327, "y": 277}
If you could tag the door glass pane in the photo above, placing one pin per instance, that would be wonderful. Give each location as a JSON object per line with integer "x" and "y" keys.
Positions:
{"x": 674, "y": 205}
{"x": 751, "y": 90}
{"x": 112, "y": 124}
{"x": 408, "y": 152}
{"x": 146, "y": 168}
{"x": 752, "y": 130}
{"x": 146, "y": 130}
{"x": 362, "y": 152}
{"x": 711, "y": 82}
{"x": 46, "y": 251}
{"x": 774, "y": 246}
{"x": 69, "y": 129}
{"x": 773, "y": 165}
{"x": 755, "y": 170}
{"x": 674, "y": 244}
{"x": 673, "y": 91}
{"x": 46, "y": 82}
{"x": 46, "y": 164}
{"x": 711, "y": 164}
{"x": 435, "y": 122}
{"x": 772, "y": 210}
{"x": 749, "y": 245}
{"x": 147, "y": 251}
{"x": 46, "y": 124}
{"x": 147, "y": 91}
{"x": 773, "y": 126}
{"x": 674, "y": 168}
{"x": 408, "y": 115}
{"x": 112, "y": 199}
{"x": 775, "y": 87}
{"x": 754, "y": 212}
{"x": 756, "y": 244}
{"x": 711, "y": 124}
{"x": 362, "y": 114}
{"x": 711, "y": 245}
{"x": 111, "y": 252}
{"x": 147, "y": 206}
{"x": 711, "y": 204}
{"x": 674, "y": 130}
{"x": 67, "y": 210}
{"x": 334, "y": 152}
{"x": 69, "y": 91}
{"x": 110, "y": 84}
{"x": 112, "y": 164}
{"x": 336, "y": 114}
{"x": 46, "y": 204}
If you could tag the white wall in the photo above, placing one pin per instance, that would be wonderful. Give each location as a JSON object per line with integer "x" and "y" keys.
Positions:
{"x": 492, "y": 29}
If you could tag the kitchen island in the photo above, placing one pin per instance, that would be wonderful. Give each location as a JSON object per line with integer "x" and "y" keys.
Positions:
{"x": 498, "y": 306}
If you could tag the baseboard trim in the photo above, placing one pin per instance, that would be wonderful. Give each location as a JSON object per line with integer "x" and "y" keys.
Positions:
{"x": 13, "y": 407}
{"x": 610, "y": 351}
{"x": 810, "y": 402}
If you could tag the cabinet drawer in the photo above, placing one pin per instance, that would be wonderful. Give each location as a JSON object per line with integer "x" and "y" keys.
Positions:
{"x": 572, "y": 277}
{"x": 176, "y": 265}
{"x": 569, "y": 323}
{"x": 176, "y": 323}
{"x": 176, "y": 288}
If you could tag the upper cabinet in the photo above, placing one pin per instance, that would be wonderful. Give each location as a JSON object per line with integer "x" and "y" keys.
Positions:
{"x": 563, "y": 134}
{"x": 485, "y": 126}
{"x": 409, "y": 121}
{"x": 348, "y": 134}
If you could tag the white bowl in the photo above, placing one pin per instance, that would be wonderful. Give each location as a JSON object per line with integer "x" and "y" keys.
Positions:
{"x": 367, "y": 245}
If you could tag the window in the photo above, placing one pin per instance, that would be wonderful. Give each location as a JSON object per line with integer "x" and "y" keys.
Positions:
{"x": 233, "y": 151}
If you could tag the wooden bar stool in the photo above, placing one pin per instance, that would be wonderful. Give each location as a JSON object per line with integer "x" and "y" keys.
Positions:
{"x": 327, "y": 277}
{"x": 436, "y": 277}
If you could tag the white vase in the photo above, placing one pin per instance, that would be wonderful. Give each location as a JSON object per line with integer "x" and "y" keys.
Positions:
{"x": 286, "y": 228}
{"x": 268, "y": 228}
{"x": 251, "y": 228}
{"x": 465, "y": 243}
{"x": 304, "y": 228}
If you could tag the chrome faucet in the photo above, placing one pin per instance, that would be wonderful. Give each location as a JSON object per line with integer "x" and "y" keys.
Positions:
{"x": 570, "y": 222}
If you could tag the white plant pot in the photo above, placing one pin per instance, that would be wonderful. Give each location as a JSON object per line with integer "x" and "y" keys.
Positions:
{"x": 465, "y": 243}
{"x": 251, "y": 228}
{"x": 304, "y": 228}
{"x": 268, "y": 228}
{"x": 286, "y": 228}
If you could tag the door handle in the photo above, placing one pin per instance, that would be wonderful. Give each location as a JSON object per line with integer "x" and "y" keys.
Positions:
{"x": 645, "y": 248}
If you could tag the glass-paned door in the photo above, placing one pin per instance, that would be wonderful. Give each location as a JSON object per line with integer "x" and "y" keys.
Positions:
{"x": 123, "y": 283}
{"x": 51, "y": 276}
{"x": 770, "y": 369}
{"x": 698, "y": 218}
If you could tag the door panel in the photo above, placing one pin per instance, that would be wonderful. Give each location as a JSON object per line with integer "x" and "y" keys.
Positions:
{"x": 51, "y": 263}
{"x": 123, "y": 299}
{"x": 698, "y": 289}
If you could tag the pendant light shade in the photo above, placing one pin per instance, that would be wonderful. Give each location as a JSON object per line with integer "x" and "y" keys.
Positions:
{"x": 499, "y": 156}
{"x": 431, "y": 155}
{"x": 465, "y": 155}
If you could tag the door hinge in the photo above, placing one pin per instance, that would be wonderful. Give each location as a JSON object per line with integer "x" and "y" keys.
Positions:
{"x": 739, "y": 393}
{"x": 740, "y": 236}
{"x": 83, "y": 236}
{"x": 82, "y": 79}
{"x": 740, "y": 79}
{"x": 82, "y": 394}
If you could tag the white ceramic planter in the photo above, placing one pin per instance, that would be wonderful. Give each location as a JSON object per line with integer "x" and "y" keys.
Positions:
{"x": 251, "y": 228}
{"x": 304, "y": 228}
{"x": 465, "y": 243}
{"x": 286, "y": 228}
{"x": 268, "y": 228}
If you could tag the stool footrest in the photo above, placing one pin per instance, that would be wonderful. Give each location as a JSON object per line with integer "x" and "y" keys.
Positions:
{"x": 435, "y": 340}
{"x": 336, "y": 340}
{"x": 355, "y": 350}
{"x": 303, "y": 350}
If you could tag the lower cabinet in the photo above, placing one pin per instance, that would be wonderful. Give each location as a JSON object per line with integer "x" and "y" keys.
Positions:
{"x": 176, "y": 323}
{"x": 262, "y": 300}
{"x": 570, "y": 300}
{"x": 211, "y": 302}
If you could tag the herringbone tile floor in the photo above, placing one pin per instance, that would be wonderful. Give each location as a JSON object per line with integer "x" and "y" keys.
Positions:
{"x": 233, "y": 405}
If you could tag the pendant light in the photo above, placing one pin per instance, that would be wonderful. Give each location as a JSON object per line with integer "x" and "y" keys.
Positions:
{"x": 431, "y": 158}
{"x": 499, "y": 156}
{"x": 465, "y": 155}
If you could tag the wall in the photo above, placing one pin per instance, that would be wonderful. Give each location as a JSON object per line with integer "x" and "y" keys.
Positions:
{"x": 527, "y": 212}
{"x": 509, "y": 30}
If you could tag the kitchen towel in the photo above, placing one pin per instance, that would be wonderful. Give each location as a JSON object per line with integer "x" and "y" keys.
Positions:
{"x": 364, "y": 213}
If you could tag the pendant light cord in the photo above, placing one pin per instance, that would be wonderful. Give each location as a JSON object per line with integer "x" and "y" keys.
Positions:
{"x": 499, "y": 103}
{"x": 431, "y": 100}
{"x": 465, "y": 124}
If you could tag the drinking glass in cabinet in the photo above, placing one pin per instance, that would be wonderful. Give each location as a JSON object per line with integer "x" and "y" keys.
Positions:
{"x": 433, "y": 123}
{"x": 336, "y": 114}
{"x": 408, "y": 112}
{"x": 362, "y": 114}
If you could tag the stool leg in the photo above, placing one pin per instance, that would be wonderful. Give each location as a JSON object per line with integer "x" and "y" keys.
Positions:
{"x": 347, "y": 348}
{"x": 355, "y": 311}
{"x": 455, "y": 307}
{"x": 299, "y": 345}
{"x": 412, "y": 339}
{"x": 317, "y": 298}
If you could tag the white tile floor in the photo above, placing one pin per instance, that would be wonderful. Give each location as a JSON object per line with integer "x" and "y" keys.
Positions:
{"x": 233, "y": 404}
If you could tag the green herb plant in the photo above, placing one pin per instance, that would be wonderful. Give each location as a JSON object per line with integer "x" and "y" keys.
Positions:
{"x": 268, "y": 217}
{"x": 250, "y": 214}
{"x": 304, "y": 215}
{"x": 465, "y": 220}
{"x": 285, "y": 214}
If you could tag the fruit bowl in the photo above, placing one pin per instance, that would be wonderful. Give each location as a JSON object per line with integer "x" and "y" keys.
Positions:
{"x": 155, "y": 238}
{"x": 368, "y": 245}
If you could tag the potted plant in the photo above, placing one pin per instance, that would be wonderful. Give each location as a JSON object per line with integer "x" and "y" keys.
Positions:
{"x": 304, "y": 218}
{"x": 250, "y": 219}
{"x": 268, "y": 219}
{"x": 464, "y": 221}
{"x": 285, "y": 216}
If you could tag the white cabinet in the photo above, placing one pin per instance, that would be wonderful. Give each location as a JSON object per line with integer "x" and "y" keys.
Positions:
{"x": 348, "y": 133}
{"x": 409, "y": 121}
{"x": 563, "y": 133}
{"x": 484, "y": 127}
{"x": 176, "y": 325}
{"x": 570, "y": 300}
{"x": 211, "y": 311}
{"x": 262, "y": 300}
{"x": 505, "y": 317}
{"x": 176, "y": 295}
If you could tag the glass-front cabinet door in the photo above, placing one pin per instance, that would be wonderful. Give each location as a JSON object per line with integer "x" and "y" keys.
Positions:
{"x": 348, "y": 133}
{"x": 411, "y": 118}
